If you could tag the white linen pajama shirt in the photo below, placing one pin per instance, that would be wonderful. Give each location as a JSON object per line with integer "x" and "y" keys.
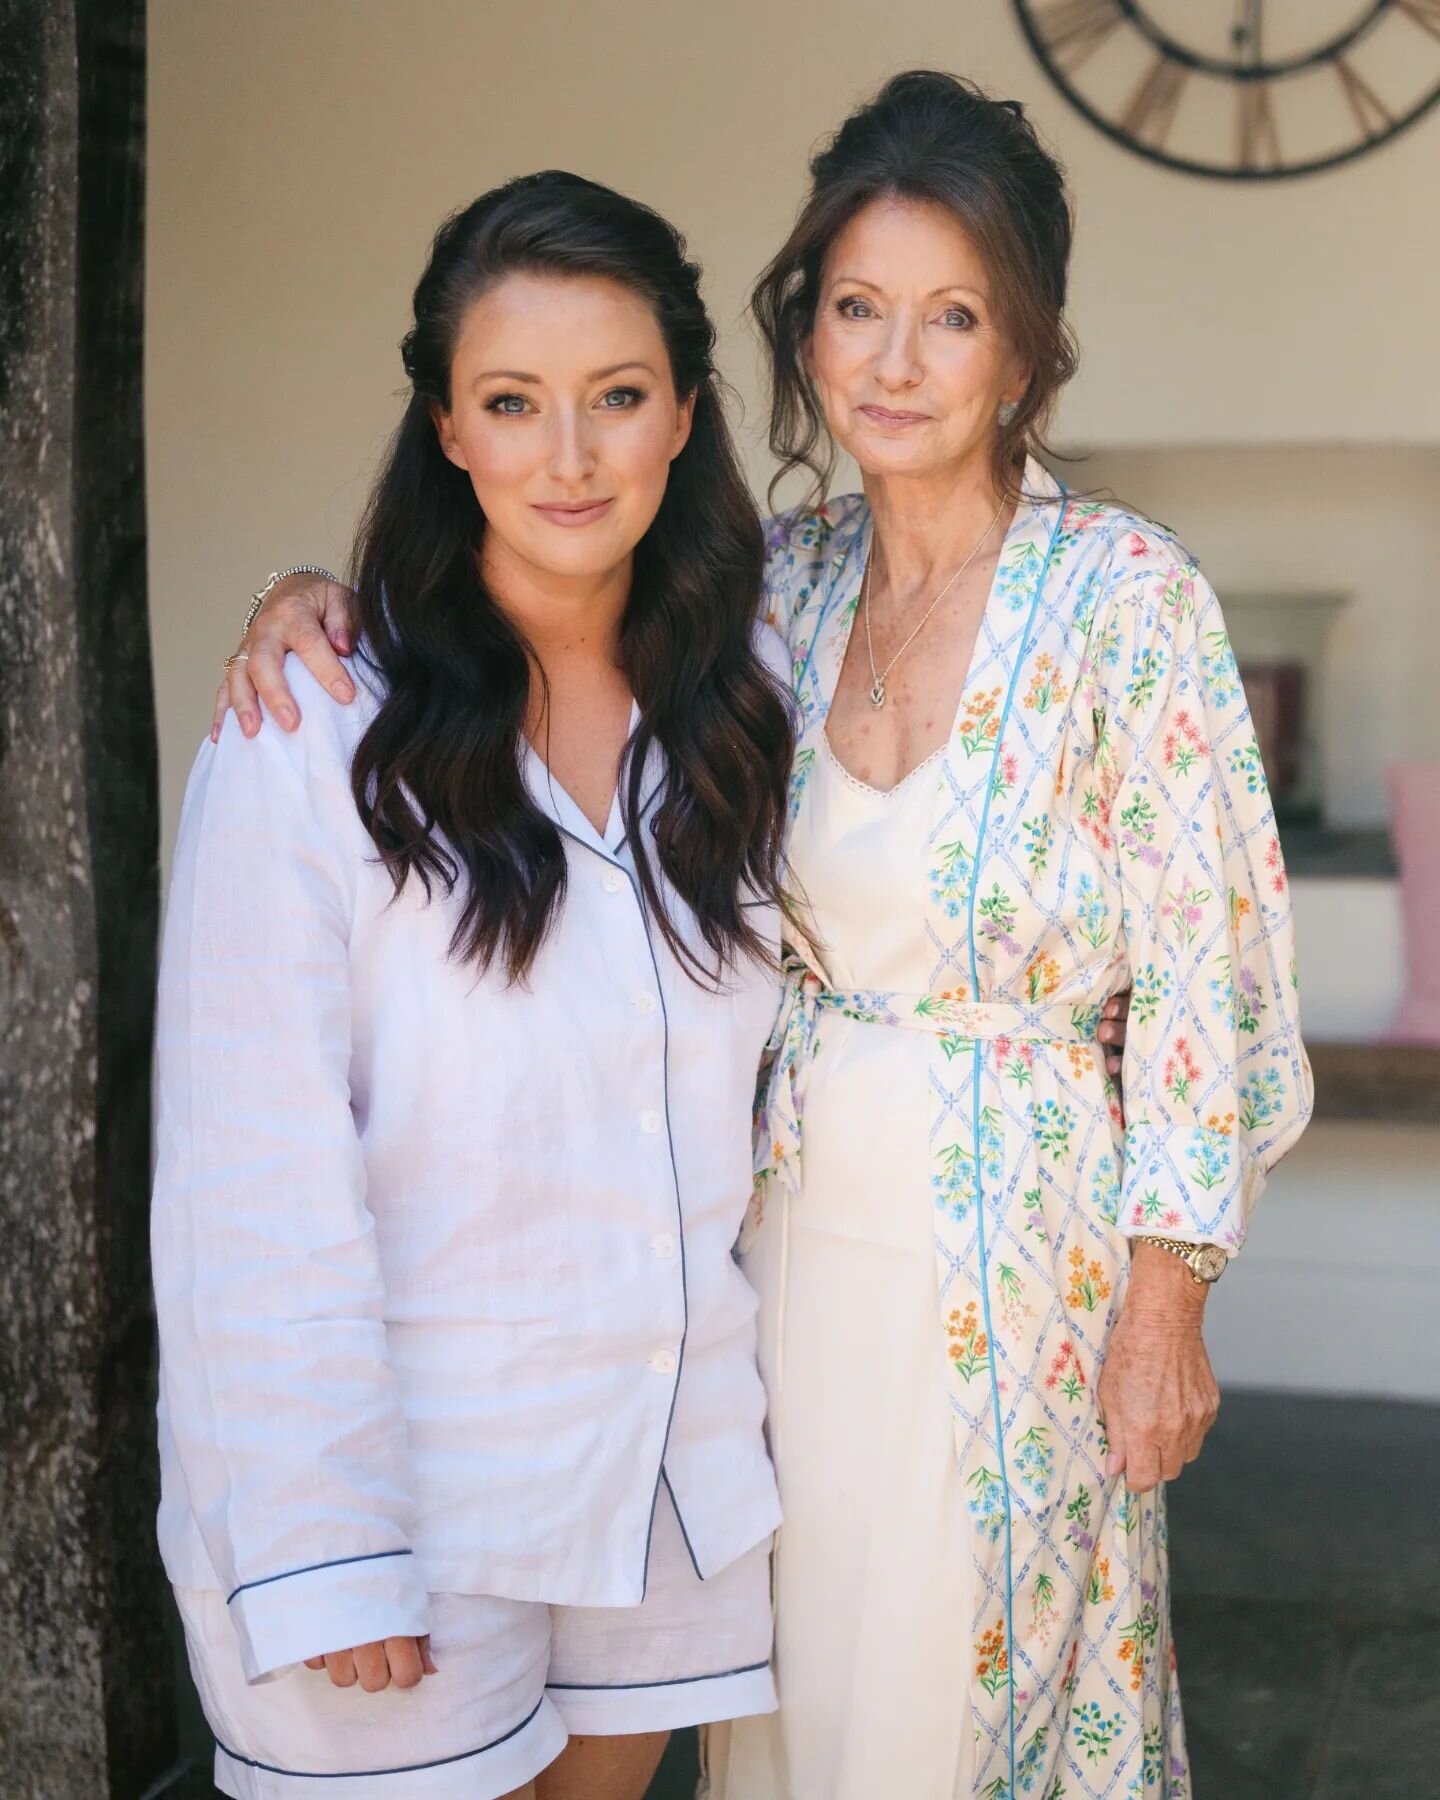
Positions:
{"x": 445, "y": 1289}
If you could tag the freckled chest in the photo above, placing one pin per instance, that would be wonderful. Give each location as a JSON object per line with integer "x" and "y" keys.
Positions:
{"x": 882, "y": 745}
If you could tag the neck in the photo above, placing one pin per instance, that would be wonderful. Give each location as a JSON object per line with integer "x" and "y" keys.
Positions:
{"x": 564, "y": 619}
{"x": 927, "y": 524}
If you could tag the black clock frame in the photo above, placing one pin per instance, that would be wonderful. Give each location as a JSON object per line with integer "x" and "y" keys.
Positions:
{"x": 1240, "y": 73}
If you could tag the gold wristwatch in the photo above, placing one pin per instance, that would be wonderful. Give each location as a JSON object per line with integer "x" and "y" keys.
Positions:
{"x": 1206, "y": 1262}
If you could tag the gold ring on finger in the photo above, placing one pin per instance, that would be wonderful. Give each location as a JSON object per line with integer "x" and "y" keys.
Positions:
{"x": 238, "y": 657}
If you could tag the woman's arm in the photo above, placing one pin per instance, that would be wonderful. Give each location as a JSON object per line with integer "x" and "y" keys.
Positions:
{"x": 306, "y": 614}
{"x": 1216, "y": 1080}
{"x": 283, "y": 1410}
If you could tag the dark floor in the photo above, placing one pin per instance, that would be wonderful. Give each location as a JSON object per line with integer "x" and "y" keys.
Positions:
{"x": 1305, "y": 1549}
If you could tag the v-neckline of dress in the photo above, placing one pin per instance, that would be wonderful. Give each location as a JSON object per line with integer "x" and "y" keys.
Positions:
{"x": 1019, "y": 520}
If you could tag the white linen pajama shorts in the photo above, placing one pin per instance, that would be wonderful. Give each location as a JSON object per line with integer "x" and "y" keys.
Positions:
{"x": 515, "y": 1679}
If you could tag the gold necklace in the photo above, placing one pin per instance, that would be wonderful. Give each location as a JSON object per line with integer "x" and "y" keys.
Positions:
{"x": 878, "y": 677}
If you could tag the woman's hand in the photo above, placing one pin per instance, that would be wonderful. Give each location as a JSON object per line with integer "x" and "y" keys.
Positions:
{"x": 1113, "y": 1015}
{"x": 303, "y": 613}
{"x": 1157, "y": 1393}
{"x": 401, "y": 1661}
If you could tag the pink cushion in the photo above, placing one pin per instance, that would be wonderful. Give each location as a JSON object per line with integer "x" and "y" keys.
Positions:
{"x": 1415, "y": 807}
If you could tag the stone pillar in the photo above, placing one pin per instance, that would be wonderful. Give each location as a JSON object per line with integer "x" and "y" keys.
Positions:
{"x": 86, "y": 1700}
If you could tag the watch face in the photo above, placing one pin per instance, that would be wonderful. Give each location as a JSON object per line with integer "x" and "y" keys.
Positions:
{"x": 1210, "y": 1261}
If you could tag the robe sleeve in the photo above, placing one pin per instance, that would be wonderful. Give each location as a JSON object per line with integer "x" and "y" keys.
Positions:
{"x": 1217, "y": 1085}
{"x": 284, "y": 1412}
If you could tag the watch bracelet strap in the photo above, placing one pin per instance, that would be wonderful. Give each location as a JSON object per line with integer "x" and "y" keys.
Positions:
{"x": 1180, "y": 1247}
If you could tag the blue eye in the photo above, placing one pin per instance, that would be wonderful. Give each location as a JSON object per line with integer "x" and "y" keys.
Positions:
{"x": 853, "y": 307}
{"x": 620, "y": 399}
{"x": 510, "y": 406}
{"x": 959, "y": 318}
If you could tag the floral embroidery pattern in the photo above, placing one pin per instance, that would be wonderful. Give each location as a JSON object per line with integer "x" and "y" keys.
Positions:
{"x": 1066, "y": 1373}
{"x": 1046, "y": 687}
{"x": 1089, "y": 1284}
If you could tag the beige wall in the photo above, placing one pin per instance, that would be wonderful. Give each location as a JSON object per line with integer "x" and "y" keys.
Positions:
{"x": 302, "y": 151}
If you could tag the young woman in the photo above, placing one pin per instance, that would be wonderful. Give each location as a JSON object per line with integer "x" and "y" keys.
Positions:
{"x": 463, "y": 994}
{"x": 1026, "y": 779}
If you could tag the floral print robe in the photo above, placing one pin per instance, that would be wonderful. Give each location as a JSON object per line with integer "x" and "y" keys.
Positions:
{"x": 1101, "y": 820}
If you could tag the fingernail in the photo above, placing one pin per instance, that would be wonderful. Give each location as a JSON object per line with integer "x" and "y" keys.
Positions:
{"x": 342, "y": 643}
{"x": 341, "y": 688}
{"x": 249, "y": 724}
{"x": 214, "y": 734}
{"x": 286, "y": 716}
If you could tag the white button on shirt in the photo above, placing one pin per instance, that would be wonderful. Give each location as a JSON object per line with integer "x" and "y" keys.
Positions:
{"x": 411, "y": 1253}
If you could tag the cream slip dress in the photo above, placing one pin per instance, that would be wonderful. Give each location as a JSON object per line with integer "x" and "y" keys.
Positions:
{"x": 874, "y": 1561}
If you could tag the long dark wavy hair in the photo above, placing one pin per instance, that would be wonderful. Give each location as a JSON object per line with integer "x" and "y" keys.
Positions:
{"x": 437, "y": 775}
{"x": 933, "y": 137}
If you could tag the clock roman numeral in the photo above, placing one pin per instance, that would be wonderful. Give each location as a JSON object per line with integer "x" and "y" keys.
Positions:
{"x": 1425, "y": 13}
{"x": 1257, "y": 137}
{"x": 1152, "y": 107}
{"x": 1371, "y": 113}
{"x": 1074, "y": 29}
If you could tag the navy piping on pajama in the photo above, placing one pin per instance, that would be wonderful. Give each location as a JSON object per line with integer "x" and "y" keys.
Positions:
{"x": 339, "y": 1562}
{"x": 403, "y": 1769}
{"x": 616, "y": 1687}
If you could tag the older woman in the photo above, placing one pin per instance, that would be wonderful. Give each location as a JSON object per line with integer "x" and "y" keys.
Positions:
{"x": 1026, "y": 778}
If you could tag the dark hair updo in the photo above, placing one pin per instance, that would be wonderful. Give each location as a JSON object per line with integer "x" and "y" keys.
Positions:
{"x": 437, "y": 776}
{"x": 931, "y": 137}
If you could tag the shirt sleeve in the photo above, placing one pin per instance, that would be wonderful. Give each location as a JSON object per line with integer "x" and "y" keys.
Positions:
{"x": 1217, "y": 1084}
{"x": 285, "y": 1414}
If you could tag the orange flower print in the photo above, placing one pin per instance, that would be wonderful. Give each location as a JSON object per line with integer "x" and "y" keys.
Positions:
{"x": 1135, "y": 1639}
{"x": 1042, "y": 977}
{"x": 1098, "y": 1587}
{"x": 980, "y": 720}
{"x": 992, "y": 1659}
{"x": 1088, "y": 1286}
{"x": 1046, "y": 687}
{"x": 969, "y": 1346}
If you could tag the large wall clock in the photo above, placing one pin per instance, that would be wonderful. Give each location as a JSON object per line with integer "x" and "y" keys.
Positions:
{"x": 1246, "y": 90}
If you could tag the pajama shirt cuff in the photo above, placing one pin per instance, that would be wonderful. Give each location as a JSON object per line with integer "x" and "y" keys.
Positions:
{"x": 1197, "y": 1183}
{"x": 312, "y": 1611}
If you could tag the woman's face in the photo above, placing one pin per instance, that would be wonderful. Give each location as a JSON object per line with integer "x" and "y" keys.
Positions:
{"x": 563, "y": 412}
{"x": 909, "y": 361}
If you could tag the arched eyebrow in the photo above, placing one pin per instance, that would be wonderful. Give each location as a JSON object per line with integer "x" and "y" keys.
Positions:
{"x": 535, "y": 380}
{"x": 954, "y": 287}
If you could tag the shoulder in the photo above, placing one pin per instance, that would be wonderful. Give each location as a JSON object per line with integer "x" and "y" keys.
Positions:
{"x": 1131, "y": 547}
{"x": 798, "y": 544}
{"x": 321, "y": 748}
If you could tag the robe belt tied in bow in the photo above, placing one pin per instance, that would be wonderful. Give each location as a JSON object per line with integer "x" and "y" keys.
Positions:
{"x": 808, "y": 997}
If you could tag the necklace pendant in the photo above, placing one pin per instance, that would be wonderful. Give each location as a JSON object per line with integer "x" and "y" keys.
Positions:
{"x": 877, "y": 692}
